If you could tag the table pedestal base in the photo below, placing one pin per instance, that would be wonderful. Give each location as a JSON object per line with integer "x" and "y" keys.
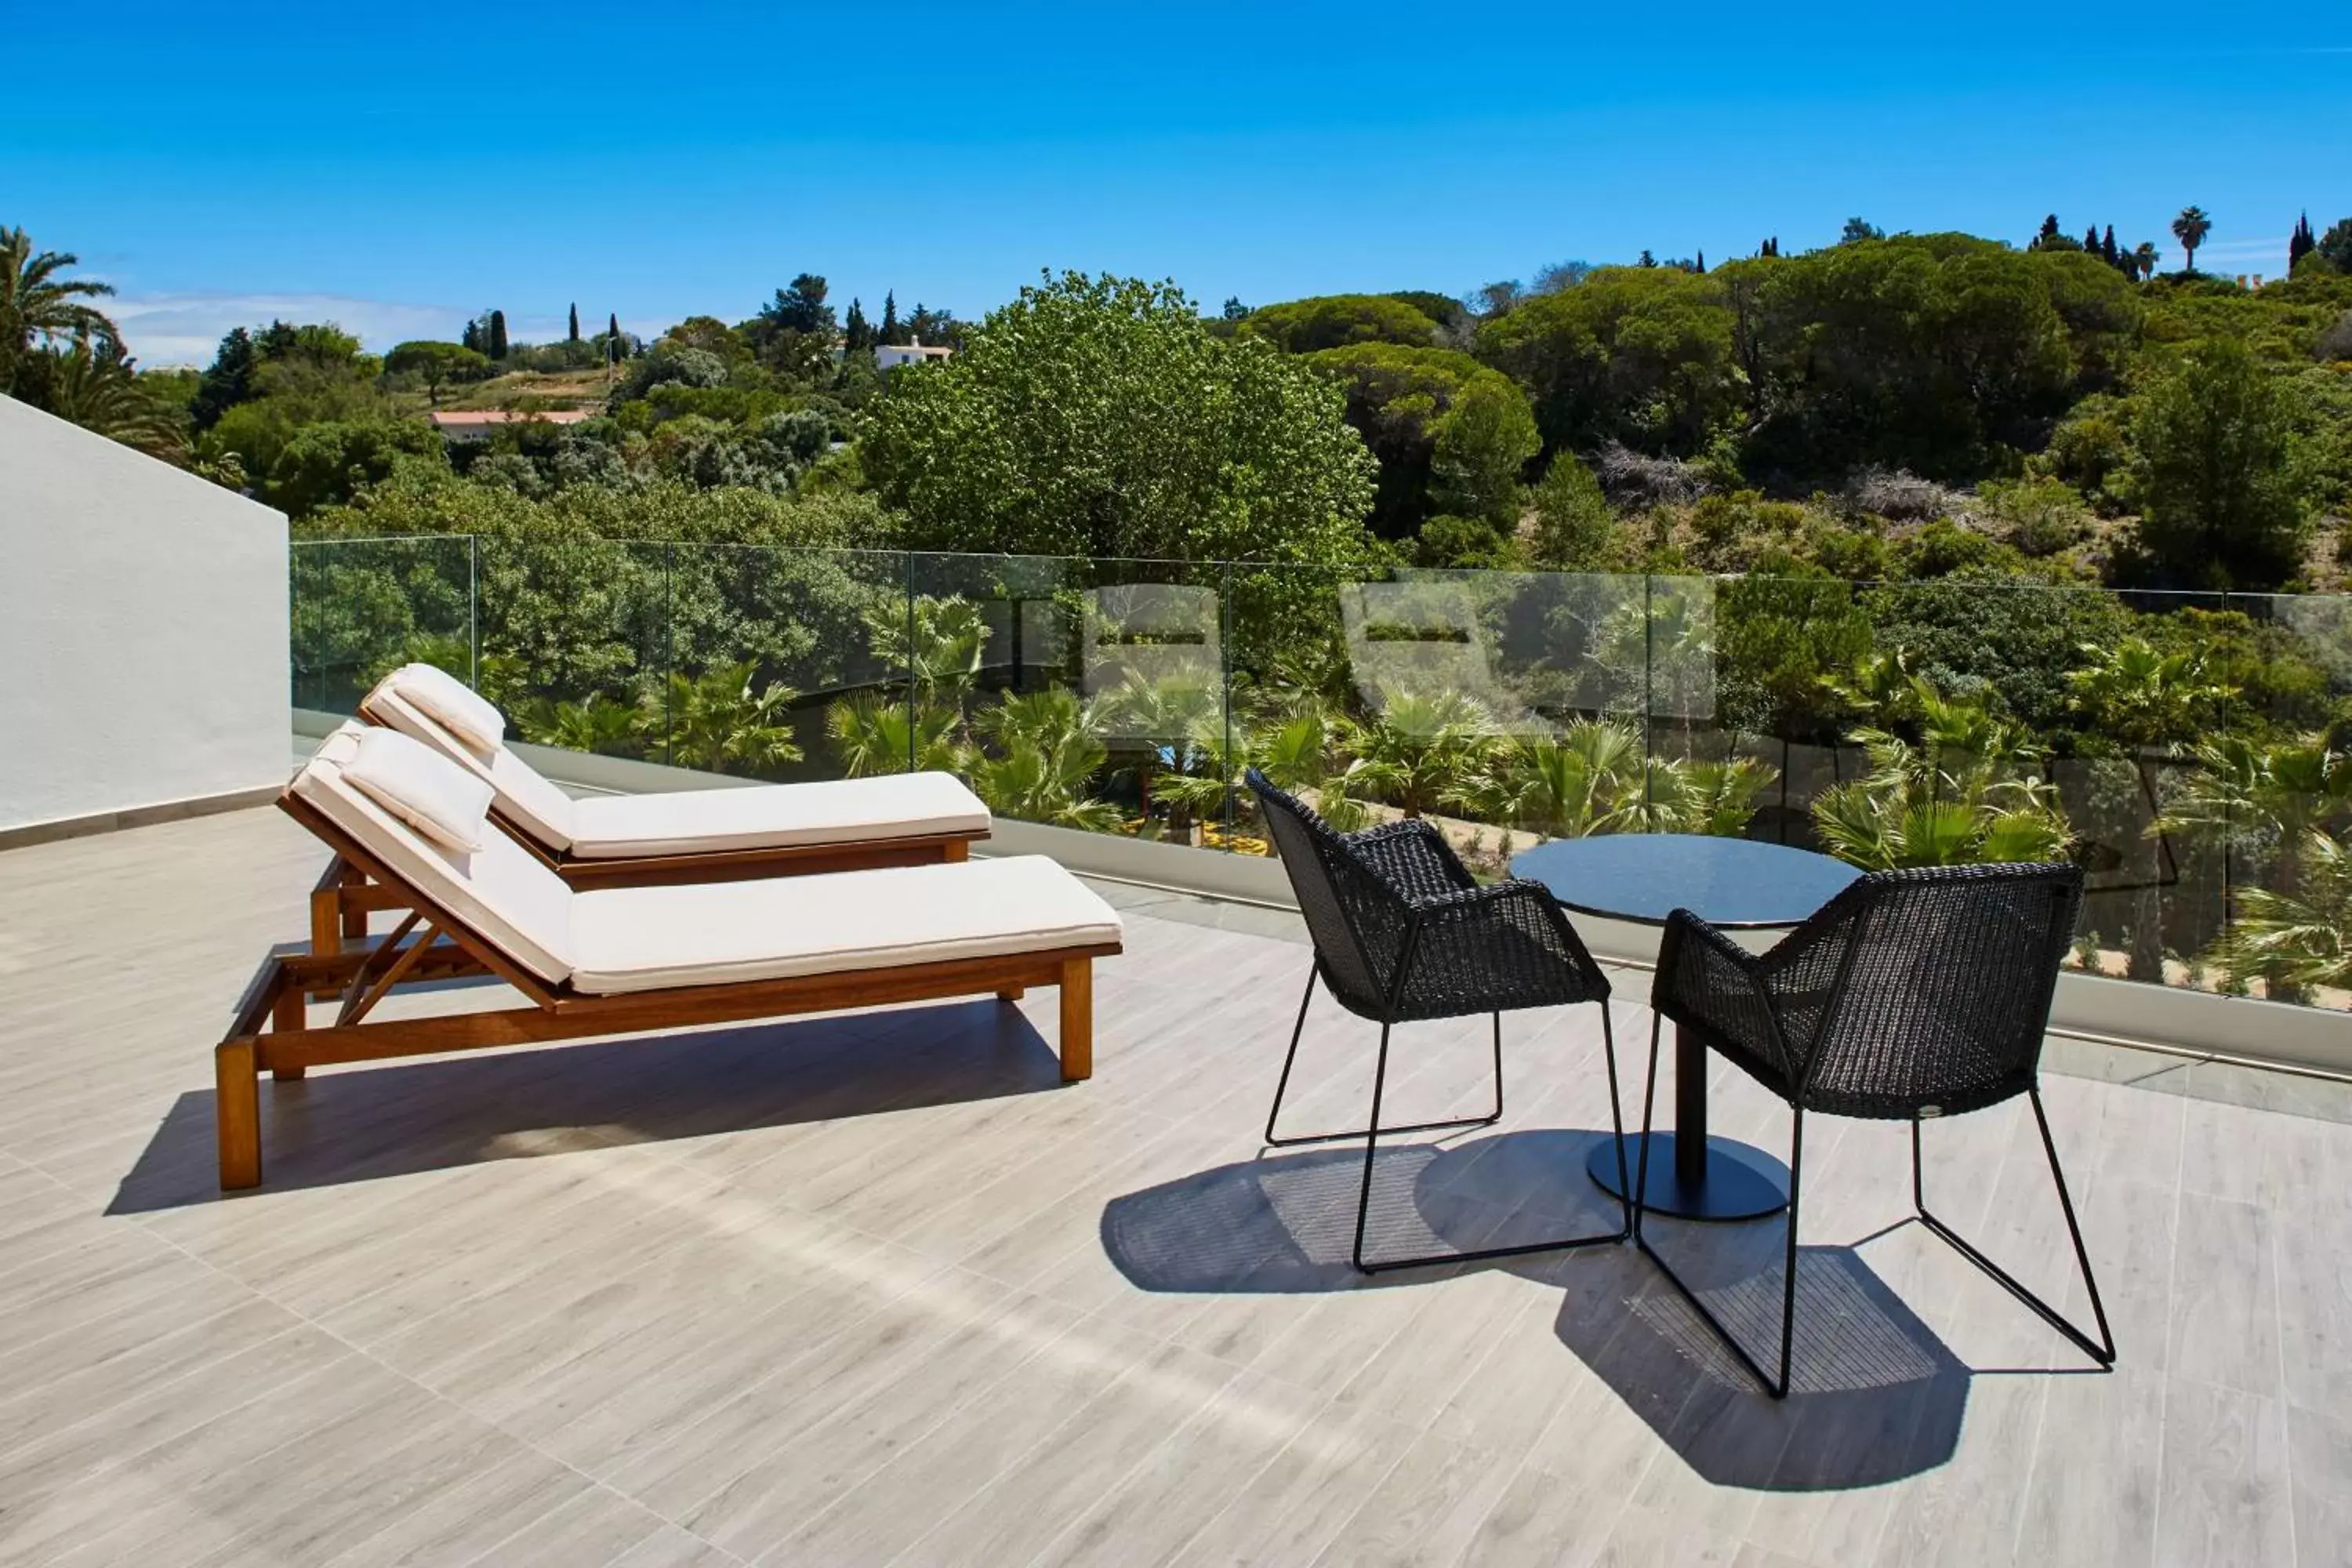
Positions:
{"x": 1737, "y": 1182}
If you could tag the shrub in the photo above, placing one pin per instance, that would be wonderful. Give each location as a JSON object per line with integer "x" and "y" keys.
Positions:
{"x": 1634, "y": 480}
{"x": 1899, "y": 495}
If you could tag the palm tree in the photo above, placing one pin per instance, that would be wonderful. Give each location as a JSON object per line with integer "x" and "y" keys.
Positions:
{"x": 1048, "y": 752}
{"x": 723, "y": 721}
{"x": 2144, "y": 258}
{"x": 92, "y": 385}
{"x": 1714, "y": 798}
{"x": 1586, "y": 780}
{"x": 1420, "y": 751}
{"x": 38, "y": 304}
{"x": 2190, "y": 229}
{"x": 2144, "y": 700}
{"x": 597, "y": 725}
{"x": 876, "y": 735}
{"x": 1966, "y": 792}
{"x": 2266, "y": 803}
{"x": 2293, "y": 941}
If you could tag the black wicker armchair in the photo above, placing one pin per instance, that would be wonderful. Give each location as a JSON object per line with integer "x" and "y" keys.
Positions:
{"x": 1402, "y": 931}
{"x": 1910, "y": 996}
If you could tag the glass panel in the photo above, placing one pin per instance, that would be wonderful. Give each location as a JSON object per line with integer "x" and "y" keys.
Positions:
{"x": 2276, "y": 793}
{"x": 361, "y": 607}
{"x": 574, "y": 634}
{"x": 1079, "y": 693}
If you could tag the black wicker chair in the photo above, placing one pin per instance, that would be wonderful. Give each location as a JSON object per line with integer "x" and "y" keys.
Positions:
{"x": 1910, "y": 996}
{"x": 1402, "y": 931}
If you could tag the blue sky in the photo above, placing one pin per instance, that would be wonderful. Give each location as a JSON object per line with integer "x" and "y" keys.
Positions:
{"x": 398, "y": 168}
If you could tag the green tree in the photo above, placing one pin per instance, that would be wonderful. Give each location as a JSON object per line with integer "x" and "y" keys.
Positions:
{"x": 1422, "y": 750}
{"x": 330, "y": 462}
{"x": 1099, "y": 416}
{"x": 1335, "y": 320}
{"x": 1640, "y": 355}
{"x": 892, "y": 333}
{"x": 497, "y": 334}
{"x": 2190, "y": 229}
{"x": 1047, "y": 753}
{"x": 2221, "y": 504}
{"x": 2144, "y": 259}
{"x": 227, "y": 381}
{"x": 2293, "y": 941}
{"x": 1449, "y": 434}
{"x": 437, "y": 364}
{"x": 2301, "y": 243}
{"x": 574, "y": 334}
{"x": 1575, "y": 530}
{"x": 40, "y": 305}
{"x": 1858, "y": 231}
{"x": 2335, "y": 247}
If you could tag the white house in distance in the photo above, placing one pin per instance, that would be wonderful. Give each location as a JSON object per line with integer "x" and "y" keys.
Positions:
{"x": 889, "y": 356}
{"x": 476, "y": 424}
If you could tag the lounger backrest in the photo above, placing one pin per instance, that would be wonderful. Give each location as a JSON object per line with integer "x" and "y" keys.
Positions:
{"x": 500, "y": 891}
{"x": 526, "y": 797}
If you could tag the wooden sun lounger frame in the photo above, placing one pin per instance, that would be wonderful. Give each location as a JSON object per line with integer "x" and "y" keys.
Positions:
{"x": 272, "y": 1031}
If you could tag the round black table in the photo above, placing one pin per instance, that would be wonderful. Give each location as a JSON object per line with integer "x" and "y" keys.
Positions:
{"x": 1733, "y": 883}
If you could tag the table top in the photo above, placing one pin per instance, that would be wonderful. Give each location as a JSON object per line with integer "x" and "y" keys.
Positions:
{"x": 1643, "y": 876}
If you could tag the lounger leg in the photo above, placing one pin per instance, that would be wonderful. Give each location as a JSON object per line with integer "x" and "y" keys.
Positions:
{"x": 955, "y": 849}
{"x": 237, "y": 1110}
{"x": 1077, "y": 1019}
{"x": 287, "y": 1015}
{"x": 1012, "y": 993}
{"x": 327, "y": 919}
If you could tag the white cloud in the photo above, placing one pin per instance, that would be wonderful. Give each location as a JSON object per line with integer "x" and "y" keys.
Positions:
{"x": 186, "y": 329}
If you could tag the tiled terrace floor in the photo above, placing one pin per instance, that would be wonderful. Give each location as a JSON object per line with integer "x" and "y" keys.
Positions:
{"x": 872, "y": 1289}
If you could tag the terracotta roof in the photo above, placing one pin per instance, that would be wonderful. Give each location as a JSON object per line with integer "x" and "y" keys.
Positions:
{"x": 445, "y": 417}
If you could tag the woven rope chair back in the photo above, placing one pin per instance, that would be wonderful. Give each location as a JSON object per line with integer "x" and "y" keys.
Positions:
{"x": 1357, "y": 921}
{"x": 1928, "y": 989}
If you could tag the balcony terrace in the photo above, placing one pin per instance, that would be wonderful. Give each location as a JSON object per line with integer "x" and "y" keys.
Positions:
{"x": 874, "y": 1287}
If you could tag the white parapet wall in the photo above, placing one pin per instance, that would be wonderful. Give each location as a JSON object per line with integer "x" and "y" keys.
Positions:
{"x": 142, "y": 635}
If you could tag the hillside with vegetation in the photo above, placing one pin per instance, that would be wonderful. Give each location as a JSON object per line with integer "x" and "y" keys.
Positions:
{"x": 1976, "y": 545}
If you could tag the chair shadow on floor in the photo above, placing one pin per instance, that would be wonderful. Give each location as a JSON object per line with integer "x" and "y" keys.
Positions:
{"x": 1876, "y": 1395}
{"x": 354, "y": 1124}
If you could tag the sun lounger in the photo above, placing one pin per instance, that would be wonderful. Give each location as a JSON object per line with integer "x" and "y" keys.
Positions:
{"x": 645, "y": 840}
{"x": 620, "y": 960}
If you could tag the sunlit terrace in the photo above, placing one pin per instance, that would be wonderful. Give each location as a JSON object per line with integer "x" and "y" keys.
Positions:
{"x": 896, "y": 1284}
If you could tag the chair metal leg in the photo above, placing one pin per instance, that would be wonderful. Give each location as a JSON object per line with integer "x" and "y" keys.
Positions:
{"x": 2103, "y": 1350}
{"x": 1777, "y": 1387}
{"x": 1371, "y": 1142}
{"x": 1291, "y": 1060}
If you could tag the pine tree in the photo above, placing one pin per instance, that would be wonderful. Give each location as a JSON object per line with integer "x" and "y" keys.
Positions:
{"x": 890, "y": 320}
{"x": 472, "y": 336}
{"x": 2091, "y": 239}
{"x": 2302, "y": 243}
{"x": 1647, "y": 261}
{"x": 575, "y": 321}
{"x": 497, "y": 334}
{"x": 2049, "y": 232}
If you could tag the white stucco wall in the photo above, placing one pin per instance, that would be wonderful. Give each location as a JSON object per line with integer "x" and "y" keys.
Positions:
{"x": 143, "y": 630}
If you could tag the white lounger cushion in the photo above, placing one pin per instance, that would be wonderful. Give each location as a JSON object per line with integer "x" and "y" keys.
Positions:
{"x": 763, "y": 817}
{"x": 704, "y": 933}
{"x": 501, "y": 890}
{"x": 417, "y": 785}
{"x": 696, "y": 821}
{"x": 460, "y": 709}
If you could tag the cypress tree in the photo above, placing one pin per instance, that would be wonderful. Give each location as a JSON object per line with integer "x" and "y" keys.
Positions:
{"x": 1701, "y": 266}
{"x": 890, "y": 320}
{"x": 497, "y": 334}
{"x": 612, "y": 332}
{"x": 472, "y": 336}
{"x": 856, "y": 335}
{"x": 2302, "y": 243}
{"x": 2049, "y": 232}
{"x": 575, "y": 321}
{"x": 2091, "y": 239}
{"x": 2108, "y": 251}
